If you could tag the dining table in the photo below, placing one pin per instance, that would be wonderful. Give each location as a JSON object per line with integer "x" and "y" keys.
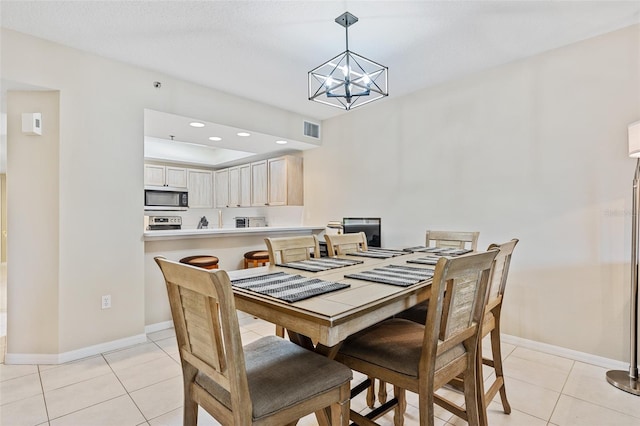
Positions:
{"x": 322, "y": 322}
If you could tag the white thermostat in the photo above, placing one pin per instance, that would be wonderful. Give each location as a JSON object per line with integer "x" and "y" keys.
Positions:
{"x": 32, "y": 123}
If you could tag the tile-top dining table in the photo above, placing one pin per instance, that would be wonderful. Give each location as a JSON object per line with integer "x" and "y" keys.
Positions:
{"x": 322, "y": 322}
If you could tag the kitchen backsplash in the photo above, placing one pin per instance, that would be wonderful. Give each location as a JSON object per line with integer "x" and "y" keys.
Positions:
{"x": 274, "y": 216}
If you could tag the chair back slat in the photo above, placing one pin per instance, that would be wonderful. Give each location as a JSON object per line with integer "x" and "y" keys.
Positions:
{"x": 452, "y": 239}
{"x": 292, "y": 249}
{"x": 346, "y": 243}
{"x": 458, "y": 306}
{"x": 498, "y": 280}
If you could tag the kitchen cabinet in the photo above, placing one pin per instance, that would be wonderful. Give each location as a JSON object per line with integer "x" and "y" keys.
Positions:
{"x": 240, "y": 186}
{"x": 234, "y": 187}
{"x": 259, "y": 184}
{"x": 245, "y": 185}
{"x": 158, "y": 175}
{"x": 277, "y": 182}
{"x": 200, "y": 188}
{"x": 222, "y": 188}
{"x": 285, "y": 181}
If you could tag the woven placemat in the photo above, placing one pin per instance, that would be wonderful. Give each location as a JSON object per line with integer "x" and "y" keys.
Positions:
{"x": 378, "y": 253}
{"x": 427, "y": 260}
{"x": 321, "y": 264}
{"x": 290, "y": 288}
{"x": 399, "y": 275}
{"x": 438, "y": 251}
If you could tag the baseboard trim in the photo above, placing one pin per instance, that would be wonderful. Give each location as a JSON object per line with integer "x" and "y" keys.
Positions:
{"x": 565, "y": 353}
{"x": 61, "y": 358}
{"x": 159, "y": 326}
{"x": 12, "y": 358}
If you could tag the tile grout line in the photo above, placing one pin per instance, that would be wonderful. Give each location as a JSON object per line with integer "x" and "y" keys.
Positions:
{"x": 125, "y": 389}
{"x": 596, "y": 403}
{"x": 555, "y": 406}
{"x": 44, "y": 397}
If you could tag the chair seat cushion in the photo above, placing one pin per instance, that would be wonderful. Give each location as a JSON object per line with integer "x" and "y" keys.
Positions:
{"x": 417, "y": 313}
{"x": 257, "y": 255}
{"x": 200, "y": 261}
{"x": 281, "y": 374}
{"x": 394, "y": 344}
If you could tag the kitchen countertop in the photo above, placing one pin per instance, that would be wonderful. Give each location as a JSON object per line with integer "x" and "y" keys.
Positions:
{"x": 176, "y": 234}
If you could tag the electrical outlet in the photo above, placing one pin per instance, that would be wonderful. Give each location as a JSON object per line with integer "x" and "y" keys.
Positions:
{"x": 106, "y": 301}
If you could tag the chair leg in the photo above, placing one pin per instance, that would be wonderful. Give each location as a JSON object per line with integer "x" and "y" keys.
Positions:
{"x": 340, "y": 410}
{"x": 398, "y": 412}
{"x": 497, "y": 363}
{"x": 382, "y": 392}
{"x": 471, "y": 397}
{"x": 371, "y": 393}
{"x": 190, "y": 408}
{"x": 479, "y": 388}
{"x": 426, "y": 406}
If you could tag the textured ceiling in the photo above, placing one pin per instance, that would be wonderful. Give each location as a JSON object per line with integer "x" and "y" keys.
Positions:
{"x": 262, "y": 50}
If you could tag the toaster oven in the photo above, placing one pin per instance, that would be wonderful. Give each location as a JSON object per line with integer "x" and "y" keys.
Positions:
{"x": 250, "y": 222}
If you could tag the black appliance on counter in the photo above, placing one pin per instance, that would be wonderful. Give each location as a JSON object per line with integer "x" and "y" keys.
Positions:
{"x": 369, "y": 225}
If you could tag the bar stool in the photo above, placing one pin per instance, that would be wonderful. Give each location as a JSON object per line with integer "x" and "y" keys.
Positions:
{"x": 256, "y": 257}
{"x": 201, "y": 261}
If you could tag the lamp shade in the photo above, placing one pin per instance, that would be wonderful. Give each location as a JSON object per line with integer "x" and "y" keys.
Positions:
{"x": 634, "y": 139}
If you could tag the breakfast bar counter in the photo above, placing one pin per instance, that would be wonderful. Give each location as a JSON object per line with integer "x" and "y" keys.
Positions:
{"x": 177, "y": 234}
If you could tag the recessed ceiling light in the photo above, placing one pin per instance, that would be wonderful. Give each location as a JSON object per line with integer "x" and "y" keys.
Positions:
{"x": 215, "y": 138}
{"x": 243, "y": 134}
{"x": 196, "y": 124}
{"x": 281, "y": 142}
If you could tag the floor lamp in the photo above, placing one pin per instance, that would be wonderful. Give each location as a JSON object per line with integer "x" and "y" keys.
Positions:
{"x": 628, "y": 380}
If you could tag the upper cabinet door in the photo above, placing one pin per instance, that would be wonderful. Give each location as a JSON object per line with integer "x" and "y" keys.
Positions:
{"x": 259, "y": 186}
{"x": 222, "y": 188}
{"x": 176, "y": 177}
{"x": 154, "y": 175}
{"x": 234, "y": 187}
{"x": 245, "y": 185}
{"x": 200, "y": 188}
{"x": 277, "y": 181}
{"x": 285, "y": 181}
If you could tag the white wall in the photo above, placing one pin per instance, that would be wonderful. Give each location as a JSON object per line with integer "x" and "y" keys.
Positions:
{"x": 33, "y": 277}
{"x": 96, "y": 218}
{"x": 534, "y": 150}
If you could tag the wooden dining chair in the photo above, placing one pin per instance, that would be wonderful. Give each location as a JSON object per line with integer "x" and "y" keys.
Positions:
{"x": 291, "y": 249}
{"x": 452, "y": 239}
{"x": 423, "y": 358}
{"x": 270, "y": 381}
{"x": 345, "y": 243}
{"x": 418, "y": 313}
{"x": 491, "y": 325}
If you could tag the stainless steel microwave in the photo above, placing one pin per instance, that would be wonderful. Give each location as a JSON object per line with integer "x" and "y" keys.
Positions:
{"x": 165, "y": 198}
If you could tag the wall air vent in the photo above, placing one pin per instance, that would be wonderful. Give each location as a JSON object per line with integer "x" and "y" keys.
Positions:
{"x": 311, "y": 129}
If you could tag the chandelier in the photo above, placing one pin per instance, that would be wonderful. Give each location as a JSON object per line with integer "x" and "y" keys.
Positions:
{"x": 348, "y": 80}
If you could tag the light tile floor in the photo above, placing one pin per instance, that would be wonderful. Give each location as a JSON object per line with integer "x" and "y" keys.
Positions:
{"x": 141, "y": 385}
